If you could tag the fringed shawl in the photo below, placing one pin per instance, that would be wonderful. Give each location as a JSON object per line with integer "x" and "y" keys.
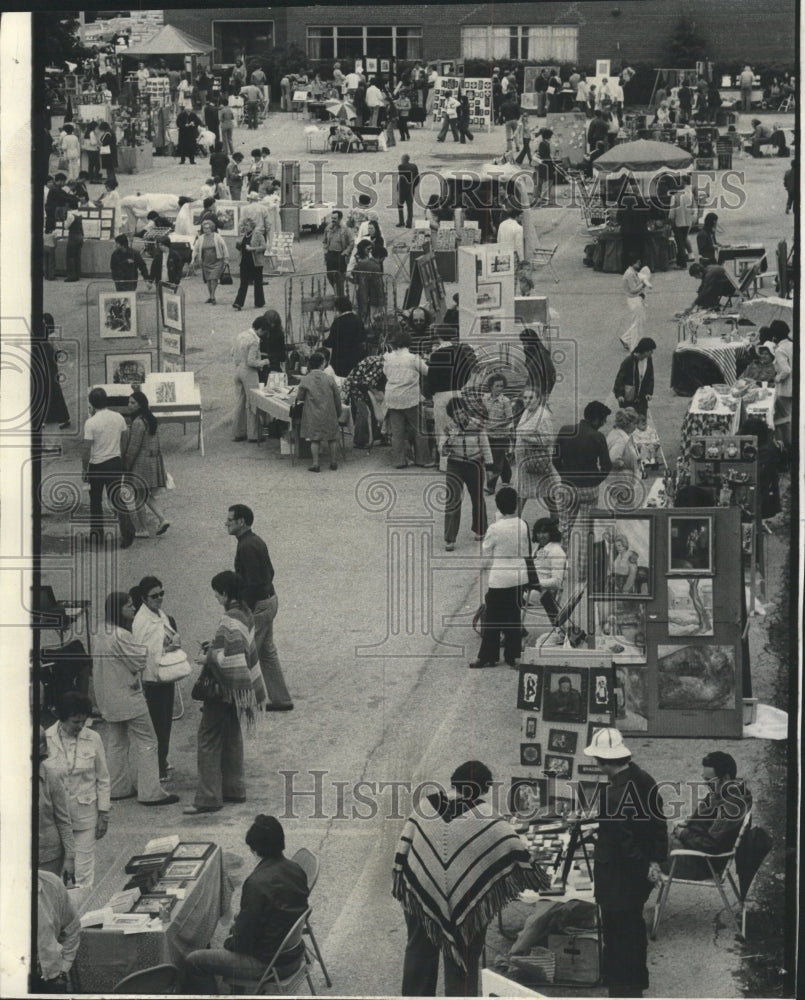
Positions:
{"x": 453, "y": 876}
{"x": 232, "y": 659}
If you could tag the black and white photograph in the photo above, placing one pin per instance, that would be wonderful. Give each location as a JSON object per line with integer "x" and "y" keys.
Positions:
{"x": 602, "y": 694}
{"x": 690, "y": 545}
{"x": 529, "y": 688}
{"x": 562, "y": 767}
{"x": 128, "y": 369}
{"x": 528, "y": 797}
{"x": 622, "y": 561}
{"x": 172, "y": 310}
{"x": 700, "y": 677}
{"x": 562, "y": 741}
{"x": 565, "y": 698}
{"x": 117, "y": 314}
{"x": 530, "y": 754}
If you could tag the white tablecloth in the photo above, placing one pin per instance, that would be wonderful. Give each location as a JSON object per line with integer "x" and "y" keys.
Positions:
{"x": 315, "y": 215}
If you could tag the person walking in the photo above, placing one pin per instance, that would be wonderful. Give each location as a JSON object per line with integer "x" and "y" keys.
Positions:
{"x": 546, "y": 171}
{"x": 403, "y": 102}
{"x": 746, "y": 82}
{"x": 105, "y": 435}
{"x": 231, "y": 690}
{"x": 510, "y": 113}
{"x": 337, "y": 245}
{"x": 252, "y": 246}
{"x": 188, "y": 123}
{"x": 526, "y": 148}
{"x": 440, "y": 844}
{"x": 464, "y": 118}
{"x": 682, "y": 215}
{"x": 537, "y": 478}
{"x": 245, "y": 356}
{"x": 253, "y": 564}
{"x": 404, "y": 371}
{"x": 632, "y": 841}
{"x": 124, "y": 264}
{"x": 142, "y": 460}
{"x": 407, "y": 181}
{"x": 635, "y": 285}
{"x": 450, "y": 110}
{"x": 499, "y": 417}
{"x": 465, "y": 449}
{"x": 118, "y": 665}
{"x": 583, "y": 463}
{"x": 212, "y": 254}
{"x": 167, "y": 266}
{"x": 321, "y": 410}
{"x": 233, "y": 176}
{"x": 70, "y": 146}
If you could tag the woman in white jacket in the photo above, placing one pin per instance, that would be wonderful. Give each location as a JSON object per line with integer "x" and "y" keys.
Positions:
{"x": 550, "y": 562}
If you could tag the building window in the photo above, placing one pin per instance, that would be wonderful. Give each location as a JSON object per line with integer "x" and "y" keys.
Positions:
{"x": 231, "y": 39}
{"x": 355, "y": 41}
{"x": 549, "y": 42}
{"x": 409, "y": 44}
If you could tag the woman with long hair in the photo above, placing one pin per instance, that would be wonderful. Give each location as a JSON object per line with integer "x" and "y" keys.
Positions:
{"x": 118, "y": 665}
{"x": 272, "y": 344}
{"x": 145, "y": 469}
{"x": 375, "y": 236}
{"x": 231, "y": 688}
{"x": 533, "y": 451}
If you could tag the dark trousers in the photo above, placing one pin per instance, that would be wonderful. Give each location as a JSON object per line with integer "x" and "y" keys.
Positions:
{"x": 107, "y": 476}
{"x": 459, "y": 475}
{"x": 126, "y": 286}
{"x": 252, "y": 108}
{"x": 681, "y": 237}
{"x": 500, "y": 463}
{"x": 421, "y": 966}
{"x": 625, "y": 946}
{"x": 220, "y": 756}
{"x": 406, "y": 202}
{"x": 94, "y": 164}
{"x": 402, "y": 125}
{"x": 336, "y": 266}
{"x": 502, "y": 615}
{"x": 464, "y": 131}
{"x": 159, "y": 698}
{"x": 249, "y": 274}
{"x": 525, "y": 151}
{"x": 73, "y": 249}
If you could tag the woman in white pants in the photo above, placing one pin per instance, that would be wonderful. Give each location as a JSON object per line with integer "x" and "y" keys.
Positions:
{"x": 635, "y": 283}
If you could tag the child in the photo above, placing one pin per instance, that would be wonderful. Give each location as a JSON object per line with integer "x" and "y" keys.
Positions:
{"x": 647, "y": 442}
{"x": 525, "y": 134}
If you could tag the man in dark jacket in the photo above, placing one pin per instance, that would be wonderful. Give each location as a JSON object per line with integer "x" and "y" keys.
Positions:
{"x": 167, "y": 264}
{"x": 632, "y": 841}
{"x": 273, "y": 898}
{"x": 124, "y": 265}
{"x": 407, "y": 178}
{"x": 597, "y": 131}
{"x": 346, "y": 340}
{"x": 450, "y": 366}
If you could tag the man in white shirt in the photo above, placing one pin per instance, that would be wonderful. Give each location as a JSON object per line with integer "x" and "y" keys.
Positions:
{"x": 58, "y": 935}
{"x": 105, "y": 435}
{"x": 505, "y": 548}
{"x": 450, "y": 119}
{"x": 746, "y": 81}
{"x": 374, "y": 101}
{"x": 351, "y": 84}
{"x": 510, "y": 233}
{"x": 404, "y": 372}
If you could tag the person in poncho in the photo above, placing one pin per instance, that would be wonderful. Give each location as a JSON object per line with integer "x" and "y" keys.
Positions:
{"x": 456, "y": 866}
{"x": 230, "y": 688}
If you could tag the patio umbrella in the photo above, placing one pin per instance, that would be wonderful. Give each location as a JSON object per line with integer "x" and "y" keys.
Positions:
{"x": 641, "y": 157}
{"x": 341, "y": 109}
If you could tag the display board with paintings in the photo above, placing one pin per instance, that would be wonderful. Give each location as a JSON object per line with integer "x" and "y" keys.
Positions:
{"x": 569, "y": 140}
{"x": 673, "y": 634}
{"x": 171, "y": 320}
{"x": 121, "y": 335}
{"x": 97, "y": 223}
{"x": 485, "y": 290}
{"x": 564, "y": 695}
{"x": 479, "y": 95}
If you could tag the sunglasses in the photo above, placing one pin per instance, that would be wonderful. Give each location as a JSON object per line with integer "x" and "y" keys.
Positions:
{"x": 159, "y": 593}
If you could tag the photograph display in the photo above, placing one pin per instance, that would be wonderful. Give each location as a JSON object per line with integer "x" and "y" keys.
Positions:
{"x": 562, "y": 767}
{"x": 562, "y": 741}
{"x": 172, "y": 309}
{"x": 622, "y": 558}
{"x": 690, "y": 545}
{"x": 127, "y": 369}
{"x": 529, "y": 688}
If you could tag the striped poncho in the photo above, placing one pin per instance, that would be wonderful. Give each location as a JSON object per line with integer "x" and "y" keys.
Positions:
{"x": 232, "y": 660}
{"x": 453, "y": 872}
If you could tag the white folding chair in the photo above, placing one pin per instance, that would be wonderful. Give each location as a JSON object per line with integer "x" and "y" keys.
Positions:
{"x": 543, "y": 257}
{"x": 281, "y": 253}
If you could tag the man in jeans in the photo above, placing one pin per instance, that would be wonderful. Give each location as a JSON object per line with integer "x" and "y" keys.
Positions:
{"x": 253, "y": 563}
{"x": 102, "y": 464}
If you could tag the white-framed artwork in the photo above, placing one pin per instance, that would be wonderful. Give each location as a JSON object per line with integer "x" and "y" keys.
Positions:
{"x": 172, "y": 310}
{"x": 117, "y": 315}
{"x": 127, "y": 368}
{"x": 171, "y": 342}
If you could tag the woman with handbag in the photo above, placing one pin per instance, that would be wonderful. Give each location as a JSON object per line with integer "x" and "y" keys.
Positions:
{"x": 156, "y": 631}
{"x": 118, "y": 665}
{"x": 145, "y": 468}
{"x": 537, "y": 479}
{"x": 210, "y": 252}
{"x": 231, "y": 688}
{"x": 634, "y": 383}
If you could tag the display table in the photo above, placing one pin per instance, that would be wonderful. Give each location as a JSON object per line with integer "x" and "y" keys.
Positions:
{"x": 608, "y": 254}
{"x": 106, "y": 956}
{"x": 135, "y": 159}
{"x": 725, "y": 357}
{"x": 763, "y": 407}
{"x": 703, "y": 423}
{"x": 315, "y": 216}
{"x": 95, "y": 257}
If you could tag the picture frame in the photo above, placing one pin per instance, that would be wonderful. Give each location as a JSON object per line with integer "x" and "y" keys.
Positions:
{"x": 171, "y": 887}
{"x": 620, "y": 629}
{"x": 172, "y": 310}
{"x": 228, "y": 217}
{"x": 602, "y": 691}
{"x": 528, "y": 797}
{"x": 631, "y": 697}
{"x": 488, "y": 295}
{"x": 501, "y": 263}
{"x": 195, "y": 851}
{"x": 128, "y": 368}
{"x": 164, "y": 392}
{"x": 146, "y": 863}
{"x": 385, "y": 65}
{"x": 565, "y": 697}
{"x": 183, "y": 869}
{"x": 117, "y": 315}
{"x": 602, "y": 67}
{"x": 530, "y": 727}
{"x": 690, "y": 545}
{"x": 128, "y": 921}
{"x": 622, "y": 558}
{"x": 696, "y": 678}
{"x": 371, "y": 65}
{"x": 562, "y": 767}
{"x": 690, "y": 606}
{"x": 171, "y": 342}
{"x": 530, "y": 754}
{"x": 154, "y": 904}
{"x": 489, "y": 324}
{"x": 529, "y": 687}
{"x": 562, "y": 741}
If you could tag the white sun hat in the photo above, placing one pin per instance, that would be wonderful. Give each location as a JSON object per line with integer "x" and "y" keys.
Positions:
{"x": 608, "y": 745}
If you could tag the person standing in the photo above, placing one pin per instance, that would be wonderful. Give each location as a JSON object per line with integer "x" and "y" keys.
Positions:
{"x": 58, "y": 935}
{"x": 583, "y": 463}
{"x": 706, "y": 240}
{"x": 685, "y": 97}
{"x": 375, "y": 102}
{"x": 226, "y": 123}
{"x": 407, "y": 180}
{"x": 212, "y": 123}
{"x": 404, "y": 371}
{"x": 499, "y": 418}
{"x": 526, "y": 149}
{"x": 93, "y": 150}
{"x": 403, "y": 102}
{"x": 632, "y": 841}
{"x": 124, "y": 264}
{"x": 465, "y": 446}
{"x": 449, "y": 118}
{"x": 252, "y": 246}
{"x": 253, "y": 564}
{"x": 510, "y": 116}
{"x": 450, "y": 367}
{"x": 167, "y": 266}
{"x": 464, "y": 118}
{"x": 682, "y": 215}
{"x": 546, "y": 169}
{"x": 534, "y": 447}
{"x": 212, "y": 254}
{"x": 541, "y": 90}
{"x": 233, "y": 176}
{"x": 440, "y": 843}
{"x": 142, "y": 460}
{"x": 791, "y": 185}
{"x": 746, "y": 82}
{"x": 635, "y": 287}
{"x": 55, "y": 411}
{"x": 510, "y": 234}
{"x": 321, "y": 410}
{"x": 505, "y": 548}
{"x": 784, "y": 381}
{"x": 55, "y": 844}
{"x": 346, "y": 340}
{"x": 188, "y": 123}
{"x": 70, "y": 146}
{"x": 245, "y": 356}
{"x": 337, "y": 244}
{"x": 105, "y": 435}
{"x": 74, "y": 228}
{"x": 634, "y": 383}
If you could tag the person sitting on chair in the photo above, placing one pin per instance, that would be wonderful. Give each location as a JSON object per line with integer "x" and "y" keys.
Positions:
{"x": 716, "y": 822}
{"x": 273, "y": 898}
{"x": 715, "y": 283}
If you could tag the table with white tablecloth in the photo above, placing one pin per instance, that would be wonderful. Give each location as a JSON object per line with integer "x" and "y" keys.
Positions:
{"x": 315, "y": 216}
{"x": 699, "y": 422}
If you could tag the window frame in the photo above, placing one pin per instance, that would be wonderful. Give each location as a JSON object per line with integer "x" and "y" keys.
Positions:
{"x": 413, "y": 32}
{"x": 236, "y": 20}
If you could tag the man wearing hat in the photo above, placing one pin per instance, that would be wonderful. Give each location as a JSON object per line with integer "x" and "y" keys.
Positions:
{"x": 632, "y": 841}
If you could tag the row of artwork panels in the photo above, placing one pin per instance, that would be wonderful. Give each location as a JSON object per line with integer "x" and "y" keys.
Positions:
{"x": 565, "y": 693}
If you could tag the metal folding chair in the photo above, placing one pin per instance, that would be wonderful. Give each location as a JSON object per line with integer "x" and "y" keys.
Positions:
{"x": 281, "y": 254}
{"x": 308, "y": 861}
{"x": 543, "y": 257}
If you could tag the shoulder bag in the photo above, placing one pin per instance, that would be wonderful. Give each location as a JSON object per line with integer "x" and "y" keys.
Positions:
{"x": 173, "y": 666}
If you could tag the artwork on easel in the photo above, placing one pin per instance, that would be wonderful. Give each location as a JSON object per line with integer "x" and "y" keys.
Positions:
{"x": 117, "y": 312}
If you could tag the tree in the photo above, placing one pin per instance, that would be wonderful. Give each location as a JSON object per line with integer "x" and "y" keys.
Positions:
{"x": 686, "y": 46}
{"x": 60, "y": 40}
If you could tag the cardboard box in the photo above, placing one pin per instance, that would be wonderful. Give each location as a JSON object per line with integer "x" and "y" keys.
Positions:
{"x": 576, "y": 956}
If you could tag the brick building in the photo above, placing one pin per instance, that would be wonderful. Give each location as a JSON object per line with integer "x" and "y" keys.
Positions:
{"x": 581, "y": 32}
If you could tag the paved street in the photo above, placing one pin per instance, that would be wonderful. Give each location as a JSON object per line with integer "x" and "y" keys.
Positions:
{"x": 407, "y": 710}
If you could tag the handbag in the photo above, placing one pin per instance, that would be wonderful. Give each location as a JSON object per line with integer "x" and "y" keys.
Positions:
{"x": 173, "y": 666}
{"x": 531, "y": 570}
{"x": 226, "y": 276}
{"x": 206, "y": 688}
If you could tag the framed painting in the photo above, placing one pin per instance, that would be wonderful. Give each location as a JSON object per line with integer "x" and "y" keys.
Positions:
{"x": 530, "y": 754}
{"x": 562, "y": 767}
{"x": 183, "y": 869}
{"x": 529, "y": 688}
{"x": 690, "y": 545}
{"x": 193, "y": 851}
{"x": 488, "y": 295}
{"x": 172, "y": 310}
{"x": 565, "y": 698}
{"x": 620, "y": 629}
{"x": 602, "y": 691}
{"x": 228, "y": 216}
{"x": 528, "y": 797}
{"x": 117, "y": 315}
{"x": 690, "y": 606}
{"x": 562, "y": 741}
{"x": 127, "y": 369}
{"x": 622, "y": 558}
{"x": 631, "y": 697}
{"x": 696, "y": 678}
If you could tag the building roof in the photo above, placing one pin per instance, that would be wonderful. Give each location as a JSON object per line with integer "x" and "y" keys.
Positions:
{"x": 169, "y": 41}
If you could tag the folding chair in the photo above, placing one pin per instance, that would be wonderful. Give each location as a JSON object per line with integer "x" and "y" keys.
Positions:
{"x": 309, "y": 863}
{"x": 716, "y": 881}
{"x": 281, "y": 253}
{"x": 270, "y": 983}
{"x": 160, "y": 979}
{"x": 787, "y": 103}
{"x": 544, "y": 257}
{"x": 400, "y": 249}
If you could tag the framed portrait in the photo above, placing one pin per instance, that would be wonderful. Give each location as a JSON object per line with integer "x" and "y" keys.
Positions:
{"x": 385, "y": 65}
{"x": 117, "y": 314}
{"x": 562, "y": 741}
{"x": 171, "y": 342}
{"x": 620, "y": 629}
{"x": 621, "y": 558}
{"x": 488, "y": 295}
{"x": 565, "y": 697}
{"x": 690, "y": 606}
{"x": 193, "y": 852}
{"x": 183, "y": 869}
{"x": 490, "y": 325}
{"x": 530, "y": 754}
{"x": 528, "y": 797}
{"x": 172, "y": 310}
{"x": 696, "y": 678}
{"x": 371, "y": 65}
{"x": 529, "y": 688}
{"x": 602, "y": 691}
{"x": 227, "y": 219}
{"x": 631, "y": 698}
{"x": 592, "y": 729}
{"x": 127, "y": 369}
{"x": 562, "y": 767}
{"x": 690, "y": 545}
{"x": 531, "y": 727}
